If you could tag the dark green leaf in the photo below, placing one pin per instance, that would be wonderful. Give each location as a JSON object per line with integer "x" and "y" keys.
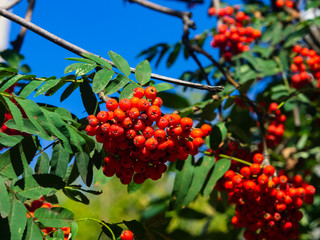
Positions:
{"x": 11, "y": 81}
{"x": 11, "y": 163}
{"x": 70, "y": 89}
{"x": 174, "y": 54}
{"x": 98, "y": 60}
{"x": 120, "y": 63}
{"x": 137, "y": 229}
{"x": 76, "y": 195}
{"x": 116, "y": 84}
{"x": 219, "y": 132}
{"x": 101, "y": 79}
{"x": 15, "y": 112}
{"x": 229, "y": 103}
{"x": 85, "y": 167}
{"x": 59, "y": 161}
{"x": 296, "y": 36}
{"x": 12, "y": 57}
{"x": 17, "y": 219}
{"x": 37, "y": 185}
{"x": 114, "y": 228}
{"x": 173, "y": 100}
{"x": 189, "y": 213}
{"x": 57, "y": 217}
{"x": 33, "y": 231}
{"x": 46, "y": 86}
{"x": 127, "y": 91}
{"x": 89, "y": 99}
{"x": 163, "y": 87}
{"x": 42, "y": 165}
{"x": 220, "y": 168}
{"x": 143, "y": 72}
{"x": 72, "y": 173}
{"x": 4, "y": 199}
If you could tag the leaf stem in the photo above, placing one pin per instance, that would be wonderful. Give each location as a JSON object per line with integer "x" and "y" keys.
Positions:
{"x": 235, "y": 159}
{"x": 100, "y": 222}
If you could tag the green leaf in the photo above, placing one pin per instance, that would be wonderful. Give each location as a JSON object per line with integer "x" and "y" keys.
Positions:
{"x": 10, "y": 162}
{"x": 57, "y": 217}
{"x": 133, "y": 187}
{"x": 28, "y": 127}
{"x": 72, "y": 173}
{"x": 188, "y": 213}
{"x": 184, "y": 173}
{"x": 98, "y": 60}
{"x": 201, "y": 170}
{"x": 116, "y": 84}
{"x": 38, "y": 185}
{"x": 101, "y": 79}
{"x": 163, "y": 87}
{"x": 84, "y": 60}
{"x": 16, "y": 113}
{"x": 143, "y": 72}
{"x": 296, "y": 36}
{"x": 137, "y": 229}
{"x": 174, "y": 54}
{"x": 74, "y": 229}
{"x": 220, "y": 168}
{"x": 46, "y": 86}
{"x": 127, "y": 91}
{"x": 80, "y": 68}
{"x": 114, "y": 228}
{"x": 4, "y": 199}
{"x": 85, "y": 167}
{"x": 89, "y": 99}
{"x": 70, "y": 89}
{"x": 12, "y": 57}
{"x": 173, "y": 100}
{"x": 17, "y": 219}
{"x": 219, "y": 132}
{"x": 59, "y": 161}
{"x": 10, "y": 140}
{"x": 120, "y": 63}
{"x": 43, "y": 164}
{"x": 76, "y": 195}
{"x": 11, "y": 81}
{"x": 29, "y": 88}
{"x": 33, "y": 231}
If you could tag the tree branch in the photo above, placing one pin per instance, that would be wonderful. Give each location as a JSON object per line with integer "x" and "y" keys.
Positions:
{"x": 80, "y": 51}
{"x": 17, "y": 44}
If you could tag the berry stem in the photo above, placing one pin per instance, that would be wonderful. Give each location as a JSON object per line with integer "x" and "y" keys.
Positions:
{"x": 235, "y": 159}
{"x": 100, "y": 222}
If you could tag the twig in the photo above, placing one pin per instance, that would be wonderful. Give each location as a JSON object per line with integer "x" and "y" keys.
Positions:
{"x": 11, "y": 4}
{"x": 17, "y": 44}
{"x": 80, "y": 51}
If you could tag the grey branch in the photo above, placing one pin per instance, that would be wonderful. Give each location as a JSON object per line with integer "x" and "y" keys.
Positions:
{"x": 80, "y": 51}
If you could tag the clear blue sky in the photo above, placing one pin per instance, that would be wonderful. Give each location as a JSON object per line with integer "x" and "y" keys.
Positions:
{"x": 101, "y": 26}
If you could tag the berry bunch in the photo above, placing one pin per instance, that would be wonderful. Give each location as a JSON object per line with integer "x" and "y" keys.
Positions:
{"x": 140, "y": 140}
{"x": 281, "y": 3}
{"x": 40, "y": 203}
{"x": 276, "y": 128}
{"x": 233, "y": 37}
{"x": 306, "y": 59}
{"x": 267, "y": 205}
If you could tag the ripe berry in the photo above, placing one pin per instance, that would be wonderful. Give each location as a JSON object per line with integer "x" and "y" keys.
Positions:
{"x": 125, "y": 104}
{"x": 102, "y": 116}
{"x": 196, "y": 133}
{"x": 186, "y": 123}
{"x": 154, "y": 113}
{"x": 269, "y": 170}
{"x": 150, "y": 92}
{"x": 211, "y": 11}
{"x": 138, "y": 92}
{"x": 206, "y": 129}
{"x": 112, "y": 104}
{"x": 258, "y": 158}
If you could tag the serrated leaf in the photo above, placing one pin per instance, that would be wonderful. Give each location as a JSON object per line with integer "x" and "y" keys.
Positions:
{"x": 219, "y": 132}
{"x": 127, "y": 91}
{"x": 28, "y": 127}
{"x": 76, "y": 195}
{"x": 11, "y": 163}
{"x": 101, "y": 79}
{"x": 80, "y": 68}
{"x": 116, "y": 84}
{"x": 10, "y": 140}
{"x": 184, "y": 174}
{"x": 85, "y": 167}
{"x": 70, "y": 89}
{"x": 29, "y": 88}
{"x": 15, "y": 112}
{"x": 59, "y": 161}
{"x": 11, "y": 81}
{"x": 98, "y": 60}
{"x": 33, "y": 231}
{"x": 201, "y": 170}
{"x": 57, "y": 217}
{"x": 89, "y": 99}
{"x": 17, "y": 219}
{"x": 120, "y": 63}
{"x": 143, "y": 72}
{"x": 4, "y": 199}
{"x": 163, "y": 87}
{"x": 46, "y": 86}
{"x": 220, "y": 168}
{"x": 42, "y": 164}
{"x": 37, "y": 185}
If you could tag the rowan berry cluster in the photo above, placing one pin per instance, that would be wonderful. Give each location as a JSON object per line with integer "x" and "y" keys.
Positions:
{"x": 40, "y": 203}
{"x": 140, "y": 140}
{"x": 281, "y": 3}
{"x": 233, "y": 37}
{"x": 305, "y": 60}
{"x": 266, "y": 204}
{"x": 126, "y": 235}
{"x": 276, "y": 127}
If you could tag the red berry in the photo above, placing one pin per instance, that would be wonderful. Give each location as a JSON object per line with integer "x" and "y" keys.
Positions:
{"x": 112, "y": 104}
{"x": 138, "y": 92}
{"x": 150, "y": 92}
